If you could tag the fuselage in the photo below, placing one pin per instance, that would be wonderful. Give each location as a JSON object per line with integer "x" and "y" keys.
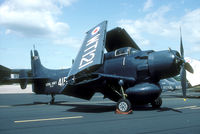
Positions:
{"x": 146, "y": 67}
{"x": 142, "y": 65}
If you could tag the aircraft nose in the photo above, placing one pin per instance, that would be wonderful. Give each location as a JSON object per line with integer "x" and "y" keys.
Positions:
{"x": 164, "y": 64}
{"x": 177, "y": 58}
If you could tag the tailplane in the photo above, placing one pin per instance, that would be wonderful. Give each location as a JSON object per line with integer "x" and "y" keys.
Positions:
{"x": 43, "y": 80}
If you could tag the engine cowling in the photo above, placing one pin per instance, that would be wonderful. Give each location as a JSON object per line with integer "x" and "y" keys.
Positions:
{"x": 163, "y": 64}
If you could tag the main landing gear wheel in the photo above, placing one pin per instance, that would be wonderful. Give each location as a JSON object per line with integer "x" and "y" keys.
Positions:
{"x": 157, "y": 103}
{"x": 123, "y": 106}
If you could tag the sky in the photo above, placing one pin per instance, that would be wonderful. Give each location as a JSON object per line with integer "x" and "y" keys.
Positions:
{"x": 57, "y": 27}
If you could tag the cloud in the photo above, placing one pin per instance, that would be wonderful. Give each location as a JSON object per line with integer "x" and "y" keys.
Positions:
{"x": 33, "y": 17}
{"x": 158, "y": 24}
{"x": 196, "y": 48}
{"x": 191, "y": 25}
{"x": 134, "y": 28}
{"x": 152, "y": 23}
{"x": 147, "y": 5}
{"x": 69, "y": 41}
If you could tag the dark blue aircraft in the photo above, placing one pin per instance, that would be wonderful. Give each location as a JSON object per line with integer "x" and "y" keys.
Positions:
{"x": 124, "y": 74}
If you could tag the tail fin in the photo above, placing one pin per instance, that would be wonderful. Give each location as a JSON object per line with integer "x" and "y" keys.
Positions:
{"x": 38, "y": 72}
{"x": 37, "y": 68}
{"x": 42, "y": 75}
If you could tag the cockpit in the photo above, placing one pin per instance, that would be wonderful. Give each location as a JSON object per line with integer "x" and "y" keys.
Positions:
{"x": 120, "y": 52}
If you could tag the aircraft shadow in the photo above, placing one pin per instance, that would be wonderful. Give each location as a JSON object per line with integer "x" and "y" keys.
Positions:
{"x": 35, "y": 103}
{"x": 149, "y": 108}
{"x": 98, "y": 108}
{"x": 163, "y": 109}
{"x": 88, "y": 108}
{"x": 91, "y": 108}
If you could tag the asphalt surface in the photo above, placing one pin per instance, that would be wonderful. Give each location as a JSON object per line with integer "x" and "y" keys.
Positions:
{"x": 30, "y": 114}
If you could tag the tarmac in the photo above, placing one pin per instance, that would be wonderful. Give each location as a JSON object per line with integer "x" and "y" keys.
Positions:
{"x": 27, "y": 113}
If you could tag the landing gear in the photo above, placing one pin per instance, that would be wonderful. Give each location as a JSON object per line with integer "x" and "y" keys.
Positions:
{"x": 157, "y": 103}
{"x": 123, "y": 105}
{"x": 52, "y": 98}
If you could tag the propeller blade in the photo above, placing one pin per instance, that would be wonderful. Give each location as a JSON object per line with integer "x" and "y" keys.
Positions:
{"x": 183, "y": 80}
{"x": 188, "y": 67}
{"x": 181, "y": 45}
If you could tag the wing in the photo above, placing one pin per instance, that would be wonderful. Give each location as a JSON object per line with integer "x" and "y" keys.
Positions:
{"x": 22, "y": 76}
{"x": 118, "y": 38}
{"x": 86, "y": 89}
{"x": 91, "y": 53}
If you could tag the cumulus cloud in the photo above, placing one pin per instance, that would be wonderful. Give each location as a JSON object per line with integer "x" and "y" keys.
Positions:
{"x": 157, "y": 23}
{"x": 70, "y": 41}
{"x": 191, "y": 24}
{"x": 33, "y": 17}
{"x": 147, "y": 5}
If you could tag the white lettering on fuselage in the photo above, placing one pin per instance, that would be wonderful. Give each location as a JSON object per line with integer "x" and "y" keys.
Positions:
{"x": 51, "y": 84}
{"x": 89, "y": 52}
{"x": 61, "y": 82}
{"x": 35, "y": 57}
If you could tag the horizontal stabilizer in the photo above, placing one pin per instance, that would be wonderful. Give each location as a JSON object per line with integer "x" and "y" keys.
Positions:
{"x": 29, "y": 79}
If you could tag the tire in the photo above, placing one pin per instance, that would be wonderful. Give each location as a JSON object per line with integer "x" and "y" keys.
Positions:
{"x": 157, "y": 103}
{"x": 123, "y": 105}
{"x": 52, "y": 101}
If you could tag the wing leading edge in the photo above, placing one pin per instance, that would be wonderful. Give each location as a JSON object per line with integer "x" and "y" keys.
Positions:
{"x": 92, "y": 50}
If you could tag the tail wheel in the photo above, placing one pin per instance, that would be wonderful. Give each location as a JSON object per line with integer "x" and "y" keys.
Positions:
{"x": 123, "y": 105}
{"x": 52, "y": 99}
{"x": 157, "y": 103}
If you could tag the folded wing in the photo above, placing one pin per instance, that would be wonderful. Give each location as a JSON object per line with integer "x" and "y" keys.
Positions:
{"x": 91, "y": 53}
{"x": 118, "y": 38}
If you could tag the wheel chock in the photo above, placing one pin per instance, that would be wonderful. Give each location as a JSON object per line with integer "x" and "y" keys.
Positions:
{"x": 117, "y": 111}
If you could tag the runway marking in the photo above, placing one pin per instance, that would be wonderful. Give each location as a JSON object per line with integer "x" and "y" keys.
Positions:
{"x": 172, "y": 98}
{"x": 188, "y": 107}
{"x": 196, "y": 107}
{"x": 5, "y": 106}
{"x": 49, "y": 119}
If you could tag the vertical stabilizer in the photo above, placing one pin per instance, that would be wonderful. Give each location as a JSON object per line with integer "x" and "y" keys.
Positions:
{"x": 36, "y": 66}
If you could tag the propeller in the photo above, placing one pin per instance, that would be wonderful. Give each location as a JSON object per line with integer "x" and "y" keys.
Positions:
{"x": 184, "y": 66}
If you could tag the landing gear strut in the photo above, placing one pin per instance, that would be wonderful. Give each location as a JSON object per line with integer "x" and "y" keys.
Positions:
{"x": 52, "y": 98}
{"x": 123, "y": 105}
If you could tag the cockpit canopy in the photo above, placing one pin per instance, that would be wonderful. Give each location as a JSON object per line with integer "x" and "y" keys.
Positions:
{"x": 120, "y": 52}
